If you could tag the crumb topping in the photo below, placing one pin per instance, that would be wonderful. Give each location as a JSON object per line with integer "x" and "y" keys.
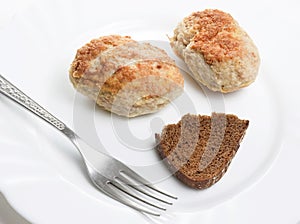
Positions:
{"x": 91, "y": 50}
{"x": 216, "y": 35}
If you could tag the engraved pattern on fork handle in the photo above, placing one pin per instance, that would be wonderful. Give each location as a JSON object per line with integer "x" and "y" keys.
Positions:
{"x": 18, "y": 96}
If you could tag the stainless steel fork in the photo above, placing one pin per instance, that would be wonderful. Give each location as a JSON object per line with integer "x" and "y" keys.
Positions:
{"x": 109, "y": 175}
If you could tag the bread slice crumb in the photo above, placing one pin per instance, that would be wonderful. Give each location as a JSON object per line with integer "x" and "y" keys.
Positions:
{"x": 199, "y": 149}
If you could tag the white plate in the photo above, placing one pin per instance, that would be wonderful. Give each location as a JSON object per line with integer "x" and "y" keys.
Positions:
{"x": 41, "y": 173}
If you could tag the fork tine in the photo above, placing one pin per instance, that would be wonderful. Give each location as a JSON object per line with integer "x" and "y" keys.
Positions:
{"x": 141, "y": 190}
{"x": 125, "y": 191}
{"x": 133, "y": 175}
{"x": 115, "y": 194}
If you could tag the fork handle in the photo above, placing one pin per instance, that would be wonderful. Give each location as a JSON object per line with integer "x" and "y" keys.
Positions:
{"x": 13, "y": 93}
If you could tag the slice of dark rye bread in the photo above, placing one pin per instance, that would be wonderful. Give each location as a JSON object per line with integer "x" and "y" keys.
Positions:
{"x": 198, "y": 149}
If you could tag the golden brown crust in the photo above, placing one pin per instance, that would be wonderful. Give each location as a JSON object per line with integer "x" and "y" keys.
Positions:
{"x": 218, "y": 52}
{"x": 126, "y": 77}
{"x": 141, "y": 88}
{"x": 217, "y": 36}
{"x": 91, "y": 50}
{"x": 142, "y": 70}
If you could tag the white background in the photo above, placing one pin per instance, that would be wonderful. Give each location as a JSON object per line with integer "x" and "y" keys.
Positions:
{"x": 276, "y": 198}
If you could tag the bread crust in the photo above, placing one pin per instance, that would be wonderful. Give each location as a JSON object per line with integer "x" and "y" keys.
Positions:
{"x": 124, "y": 76}
{"x": 189, "y": 164}
{"x": 219, "y": 53}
